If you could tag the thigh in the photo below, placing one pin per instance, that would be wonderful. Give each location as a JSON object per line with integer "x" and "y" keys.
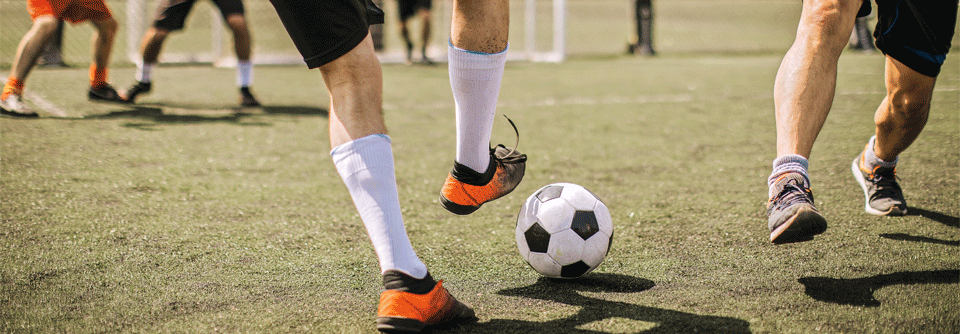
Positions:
{"x": 916, "y": 33}
{"x": 325, "y": 30}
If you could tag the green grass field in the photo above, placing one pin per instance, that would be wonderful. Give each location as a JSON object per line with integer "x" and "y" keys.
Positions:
{"x": 184, "y": 214}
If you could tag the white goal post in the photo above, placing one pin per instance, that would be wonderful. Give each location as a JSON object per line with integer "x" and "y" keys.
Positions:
{"x": 539, "y": 36}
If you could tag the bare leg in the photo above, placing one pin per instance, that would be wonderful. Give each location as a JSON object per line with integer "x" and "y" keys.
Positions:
{"x": 30, "y": 46}
{"x": 481, "y": 26}
{"x": 806, "y": 81}
{"x": 152, "y": 43}
{"x": 425, "y": 32}
{"x": 103, "y": 42}
{"x": 241, "y": 36}
{"x": 355, "y": 82}
{"x": 903, "y": 113}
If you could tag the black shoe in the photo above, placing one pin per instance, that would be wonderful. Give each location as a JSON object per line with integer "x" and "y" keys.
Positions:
{"x": 882, "y": 193}
{"x": 247, "y": 99}
{"x": 140, "y": 88}
{"x": 105, "y": 93}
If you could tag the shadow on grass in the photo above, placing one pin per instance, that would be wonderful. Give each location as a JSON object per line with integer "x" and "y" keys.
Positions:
{"x": 594, "y": 310}
{"x": 859, "y": 291}
{"x": 240, "y": 116}
{"x": 907, "y": 237}
{"x": 935, "y": 216}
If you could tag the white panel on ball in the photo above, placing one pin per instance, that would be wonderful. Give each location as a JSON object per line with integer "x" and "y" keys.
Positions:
{"x": 595, "y": 249}
{"x": 555, "y": 215}
{"x": 544, "y": 264}
{"x": 566, "y": 247}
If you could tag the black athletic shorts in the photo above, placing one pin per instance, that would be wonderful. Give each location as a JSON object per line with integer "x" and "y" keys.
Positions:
{"x": 407, "y": 8}
{"x": 916, "y": 33}
{"x": 172, "y": 14}
{"x": 324, "y": 30}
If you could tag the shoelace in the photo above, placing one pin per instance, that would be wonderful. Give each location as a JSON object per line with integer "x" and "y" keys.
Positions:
{"x": 885, "y": 183}
{"x": 792, "y": 193}
{"x": 517, "y": 143}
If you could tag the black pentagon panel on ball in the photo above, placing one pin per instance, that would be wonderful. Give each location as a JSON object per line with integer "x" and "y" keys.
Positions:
{"x": 574, "y": 270}
{"x": 549, "y": 193}
{"x": 584, "y": 224}
{"x": 537, "y": 238}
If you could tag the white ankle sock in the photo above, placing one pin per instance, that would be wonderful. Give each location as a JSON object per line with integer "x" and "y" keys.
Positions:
{"x": 475, "y": 79}
{"x": 143, "y": 71}
{"x": 244, "y": 73}
{"x": 366, "y": 167}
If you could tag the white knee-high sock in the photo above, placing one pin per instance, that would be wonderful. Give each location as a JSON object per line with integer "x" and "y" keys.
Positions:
{"x": 475, "y": 79}
{"x": 366, "y": 167}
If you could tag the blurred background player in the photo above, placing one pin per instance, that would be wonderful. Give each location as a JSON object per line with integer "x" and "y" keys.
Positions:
{"x": 171, "y": 16}
{"x": 46, "y": 15}
{"x": 333, "y": 35}
{"x": 914, "y": 35}
{"x": 421, "y": 8}
{"x": 476, "y": 58}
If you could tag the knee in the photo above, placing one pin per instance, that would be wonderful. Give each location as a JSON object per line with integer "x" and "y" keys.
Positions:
{"x": 237, "y": 22}
{"x": 45, "y": 25}
{"x": 831, "y": 19}
{"x": 107, "y": 27}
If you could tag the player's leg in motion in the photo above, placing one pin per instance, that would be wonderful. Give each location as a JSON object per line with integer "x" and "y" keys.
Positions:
{"x": 903, "y": 113}
{"x": 803, "y": 95}
{"x": 26, "y": 57}
{"x": 102, "y": 43}
{"x": 171, "y": 16}
{"x": 477, "y": 54}
{"x": 233, "y": 13}
{"x": 363, "y": 156}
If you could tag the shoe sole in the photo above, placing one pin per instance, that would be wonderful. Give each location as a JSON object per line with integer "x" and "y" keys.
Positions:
{"x": 857, "y": 174}
{"x": 463, "y": 315}
{"x": 457, "y": 208}
{"x": 802, "y": 226}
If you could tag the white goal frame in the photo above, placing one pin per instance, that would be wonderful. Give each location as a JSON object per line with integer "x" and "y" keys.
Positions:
{"x": 139, "y": 17}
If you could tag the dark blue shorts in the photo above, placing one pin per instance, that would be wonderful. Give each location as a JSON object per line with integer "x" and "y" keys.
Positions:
{"x": 324, "y": 30}
{"x": 917, "y": 33}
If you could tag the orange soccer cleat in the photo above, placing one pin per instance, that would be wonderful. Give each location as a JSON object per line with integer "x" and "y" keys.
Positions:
{"x": 401, "y": 311}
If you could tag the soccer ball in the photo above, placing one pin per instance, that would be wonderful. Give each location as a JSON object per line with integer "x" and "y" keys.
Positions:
{"x": 564, "y": 231}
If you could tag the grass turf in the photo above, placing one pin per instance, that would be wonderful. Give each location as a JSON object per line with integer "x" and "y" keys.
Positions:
{"x": 184, "y": 214}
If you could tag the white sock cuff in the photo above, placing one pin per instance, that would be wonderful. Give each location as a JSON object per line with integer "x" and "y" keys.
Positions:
{"x": 362, "y": 154}
{"x": 474, "y": 60}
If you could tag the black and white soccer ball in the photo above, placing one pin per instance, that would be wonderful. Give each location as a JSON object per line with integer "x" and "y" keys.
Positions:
{"x": 564, "y": 231}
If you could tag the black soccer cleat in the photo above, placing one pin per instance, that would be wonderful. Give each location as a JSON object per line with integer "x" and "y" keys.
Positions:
{"x": 247, "y": 99}
{"x": 105, "y": 93}
{"x": 140, "y": 88}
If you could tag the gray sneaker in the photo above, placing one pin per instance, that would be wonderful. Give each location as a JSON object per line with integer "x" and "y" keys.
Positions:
{"x": 883, "y": 196}
{"x": 791, "y": 214}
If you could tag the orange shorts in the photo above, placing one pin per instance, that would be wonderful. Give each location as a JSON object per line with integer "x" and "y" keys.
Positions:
{"x": 70, "y": 10}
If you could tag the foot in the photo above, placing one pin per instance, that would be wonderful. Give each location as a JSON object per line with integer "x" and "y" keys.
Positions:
{"x": 13, "y": 106}
{"x": 882, "y": 194}
{"x": 247, "y": 99}
{"x": 466, "y": 190}
{"x": 136, "y": 90}
{"x": 405, "y": 310}
{"x": 104, "y": 93}
{"x": 791, "y": 213}
{"x": 427, "y": 61}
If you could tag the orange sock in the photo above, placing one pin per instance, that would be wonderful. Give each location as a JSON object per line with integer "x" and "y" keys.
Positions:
{"x": 13, "y": 86}
{"x": 98, "y": 76}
